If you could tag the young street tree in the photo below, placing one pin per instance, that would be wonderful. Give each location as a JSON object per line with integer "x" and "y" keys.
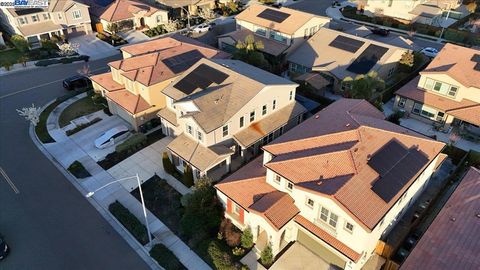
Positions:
{"x": 407, "y": 59}
{"x": 247, "y": 51}
{"x": 20, "y": 43}
{"x": 31, "y": 114}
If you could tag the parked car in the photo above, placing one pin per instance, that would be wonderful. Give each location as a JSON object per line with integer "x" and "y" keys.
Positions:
{"x": 380, "y": 31}
{"x": 202, "y": 28}
{"x": 4, "y": 249}
{"x": 429, "y": 51}
{"x": 77, "y": 82}
{"x": 112, "y": 136}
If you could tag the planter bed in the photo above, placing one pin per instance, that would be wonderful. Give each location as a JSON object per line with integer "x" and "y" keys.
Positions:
{"x": 78, "y": 170}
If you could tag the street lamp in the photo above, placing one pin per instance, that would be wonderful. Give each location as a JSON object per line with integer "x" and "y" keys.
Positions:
{"x": 90, "y": 194}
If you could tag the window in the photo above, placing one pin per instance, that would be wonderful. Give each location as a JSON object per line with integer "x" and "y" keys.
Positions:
{"x": 77, "y": 14}
{"x": 277, "y": 179}
{"x": 401, "y": 102}
{"x": 440, "y": 116}
{"x": 264, "y": 109}
{"x": 199, "y": 136}
{"x": 289, "y": 186}
{"x": 333, "y": 220}
{"x": 278, "y": 37}
{"x": 46, "y": 16}
{"x": 417, "y": 107}
{"x": 437, "y": 86}
{"x": 159, "y": 18}
{"x": 59, "y": 16}
{"x": 390, "y": 72}
{"x": 274, "y": 104}
{"x": 305, "y": 34}
{"x": 35, "y": 18}
{"x": 291, "y": 95}
{"x": 22, "y": 21}
{"x": 252, "y": 116}
{"x": 189, "y": 129}
{"x": 242, "y": 121}
{"x": 313, "y": 30}
{"x": 225, "y": 130}
{"x": 260, "y": 31}
{"x": 236, "y": 209}
{"x": 310, "y": 203}
{"x": 453, "y": 91}
{"x": 429, "y": 84}
{"x": 328, "y": 217}
{"x": 324, "y": 213}
{"x": 348, "y": 227}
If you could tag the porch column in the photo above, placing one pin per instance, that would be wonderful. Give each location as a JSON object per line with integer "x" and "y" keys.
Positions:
{"x": 229, "y": 160}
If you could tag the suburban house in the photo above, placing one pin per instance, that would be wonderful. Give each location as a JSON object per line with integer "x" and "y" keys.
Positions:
{"x": 335, "y": 184}
{"x": 62, "y": 18}
{"x": 422, "y": 11}
{"x": 331, "y": 56}
{"x": 222, "y": 111}
{"x": 281, "y": 30}
{"x": 181, "y": 8}
{"x": 133, "y": 87}
{"x": 447, "y": 92}
{"x": 127, "y": 14}
{"x": 452, "y": 241}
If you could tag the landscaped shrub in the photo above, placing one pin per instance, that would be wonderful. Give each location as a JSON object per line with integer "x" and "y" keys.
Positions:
{"x": 135, "y": 142}
{"x": 129, "y": 221}
{"x": 221, "y": 259}
{"x": 165, "y": 258}
{"x": 238, "y": 251}
{"x": 78, "y": 170}
{"x": 20, "y": 43}
{"x": 266, "y": 257}
{"x": 188, "y": 176}
{"x": 82, "y": 126}
{"x": 65, "y": 60}
{"x": 231, "y": 233}
{"x": 247, "y": 238}
{"x": 167, "y": 163}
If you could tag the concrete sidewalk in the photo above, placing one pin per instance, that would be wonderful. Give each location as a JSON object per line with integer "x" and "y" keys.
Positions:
{"x": 65, "y": 151}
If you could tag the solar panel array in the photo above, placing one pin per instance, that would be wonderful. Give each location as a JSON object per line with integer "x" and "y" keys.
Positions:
{"x": 477, "y": 67}
{"x": 367, "y": 59}
{"x": 273, "y": 15}
{"x": 396, "y": 166}
{"x": 26, "y": 11}
{"x": 201, "y": 77}
{"x": 183, "y": 61}
{"x": 476, "y": 58}
{"x": 346, "y": 44}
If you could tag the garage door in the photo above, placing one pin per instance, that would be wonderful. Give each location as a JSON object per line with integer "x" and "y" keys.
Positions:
{"x": 77, "y": 31}
{"x": 319, "y": 249}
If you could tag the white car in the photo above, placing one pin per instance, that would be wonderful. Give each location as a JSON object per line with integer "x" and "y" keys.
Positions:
{"x": 202, "y": 28}
{"x": 112, "y": 136}
{"x": 429, "y": 51}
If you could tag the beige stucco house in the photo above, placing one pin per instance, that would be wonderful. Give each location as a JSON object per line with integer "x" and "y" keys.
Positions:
{"x": 62, "y": 18}
{"x": 447, "y": 92}
{"x": 222, "y": 111}
{"x": 185, "y": 8}
{"x": 133, "y": 87}
{"x": 335, "y": 184}
{"x": 337, "y": 55}
{"x": 281, "y": 30}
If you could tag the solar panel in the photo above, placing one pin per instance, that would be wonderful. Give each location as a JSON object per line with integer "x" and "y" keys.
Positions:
{"x": 25, "y": 11}
{"x": 384, "y": 159}
{"x": 346, "y": 44}
{"x": 365, "y": 61}
{"x": 103, "y": 3}
{"x": 273, "y": 15}
{"x": 477, "y": 67}
{"x": 201, "y": 77}
{"x": 181, "y": 62}
{"x": 390, "y": 185}
{"x": 476, "y": 58}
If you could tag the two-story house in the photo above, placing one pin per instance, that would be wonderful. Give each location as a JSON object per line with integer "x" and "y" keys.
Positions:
{"x": 336, "y": 55}
{"x": 133, "y": 87}
{"x": 222, "y": 111}
{"x": 447, "y": 92}
{"x": 183, "y": 8}
{"x": 335, "y": 183}
{"x": 281, "y": 30}
{"x": 62, "y": 18}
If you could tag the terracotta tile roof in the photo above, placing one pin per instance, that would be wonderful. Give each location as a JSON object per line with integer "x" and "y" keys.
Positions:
{"x": 271, "y": 47}
{"x": 456, "y": 61}
{"x": 290, "y": 25}
{"x": 129, "y": 101}
{"x": 125, "y": 9}
{"x": 149, "y": 69}
{"x": 277, "y": 207}
{"x": 106, "y": 81}
{"x": 328, "y": 238}
{"x": 272, "y": 122}
{"x": 453, "y": 239}
{"x": 196, "y": 154}
{"x": 465, "y": 109}
{"x": 182, "y": 3}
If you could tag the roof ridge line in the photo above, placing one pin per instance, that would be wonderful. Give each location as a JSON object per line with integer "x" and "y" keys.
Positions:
{"x": 463, "y": 108}
{"x": 408, "y": 135}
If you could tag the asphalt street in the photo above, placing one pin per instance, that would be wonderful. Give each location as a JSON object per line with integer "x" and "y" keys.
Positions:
{"x": 48, "y": 223}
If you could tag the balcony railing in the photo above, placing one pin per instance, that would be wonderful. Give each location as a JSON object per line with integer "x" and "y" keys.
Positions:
{"x": 320, "y": 223}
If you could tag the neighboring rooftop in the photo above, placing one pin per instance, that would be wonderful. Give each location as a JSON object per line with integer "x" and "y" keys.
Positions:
{"x": 453, "y": 239}
{"x": 284, "y": 20}
{"x": 458, "y": 62}
{"x": 54, "y": 6}
{"x": 341, "y": 54}
{"x": 269, "y": 46}
{"x": 125, "y": 9}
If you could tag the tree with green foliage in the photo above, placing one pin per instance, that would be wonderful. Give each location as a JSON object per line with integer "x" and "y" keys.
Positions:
{"x": 247, "y": 238}
{"x": 7, "y": 65}
{"x": 188, "y": 176}
{"x": 203, "y": 212}
{"x": 112, "y": 28}
{"x": 363, "y": 86}
{"x": 266, "y": 257}
{"x": 20, "y": 43}
{"x": 49, "y": 45}
{"x": 247, "y": 51}
{"x": 167, "y": 163}
{"x": 471, "y": 7}
{"x": 407, "y": 59}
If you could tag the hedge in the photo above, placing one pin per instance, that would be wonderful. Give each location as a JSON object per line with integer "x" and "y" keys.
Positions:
{"x": 166, "y": 258}
{"x": 65, "y": 60}
{"x": 78, "y": 170}
{"x": 82, "y": 126}
{"x": 138, "y": 140}
{"x": 129, "y": 221}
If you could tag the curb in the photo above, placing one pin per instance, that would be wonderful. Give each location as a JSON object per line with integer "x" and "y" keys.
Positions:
{"x": 137, "y": 247}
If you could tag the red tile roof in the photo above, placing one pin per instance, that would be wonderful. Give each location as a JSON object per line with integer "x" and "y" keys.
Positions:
{"x": 106, "y": 81}
{"x": 129, "y": 101}
{"x": 453, "y": 239}
{"x": 277, "y": 207}
{"x": 327, "y": 238}
{"x": 125, "y": 9}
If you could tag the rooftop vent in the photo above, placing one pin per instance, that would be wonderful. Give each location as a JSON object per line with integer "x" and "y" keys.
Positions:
{"x": 453, "y": 219}
{"x": 347, "y": 125}
{"x": 317, "y": 116}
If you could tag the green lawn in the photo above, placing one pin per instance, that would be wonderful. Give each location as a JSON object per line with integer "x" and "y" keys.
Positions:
{"x": 79, "y": 108}
{"x": 10, "y": 56}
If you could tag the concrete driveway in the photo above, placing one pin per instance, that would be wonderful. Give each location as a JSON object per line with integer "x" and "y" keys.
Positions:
{"x": 94, "y": 47}
{"x": 299, "y": 257}
{"x": 86, "y": 137}
{"x": 134, "y": 36}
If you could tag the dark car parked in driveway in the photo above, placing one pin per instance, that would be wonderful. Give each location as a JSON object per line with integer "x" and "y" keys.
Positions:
{"x": 4, "y": 249}
{"x": 380, "y": 31}
{"x": 77, "y": 82}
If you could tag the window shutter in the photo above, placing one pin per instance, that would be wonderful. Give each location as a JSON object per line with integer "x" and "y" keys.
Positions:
{"x": 229, "y": 206}
{"x": 240, "y": 214}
